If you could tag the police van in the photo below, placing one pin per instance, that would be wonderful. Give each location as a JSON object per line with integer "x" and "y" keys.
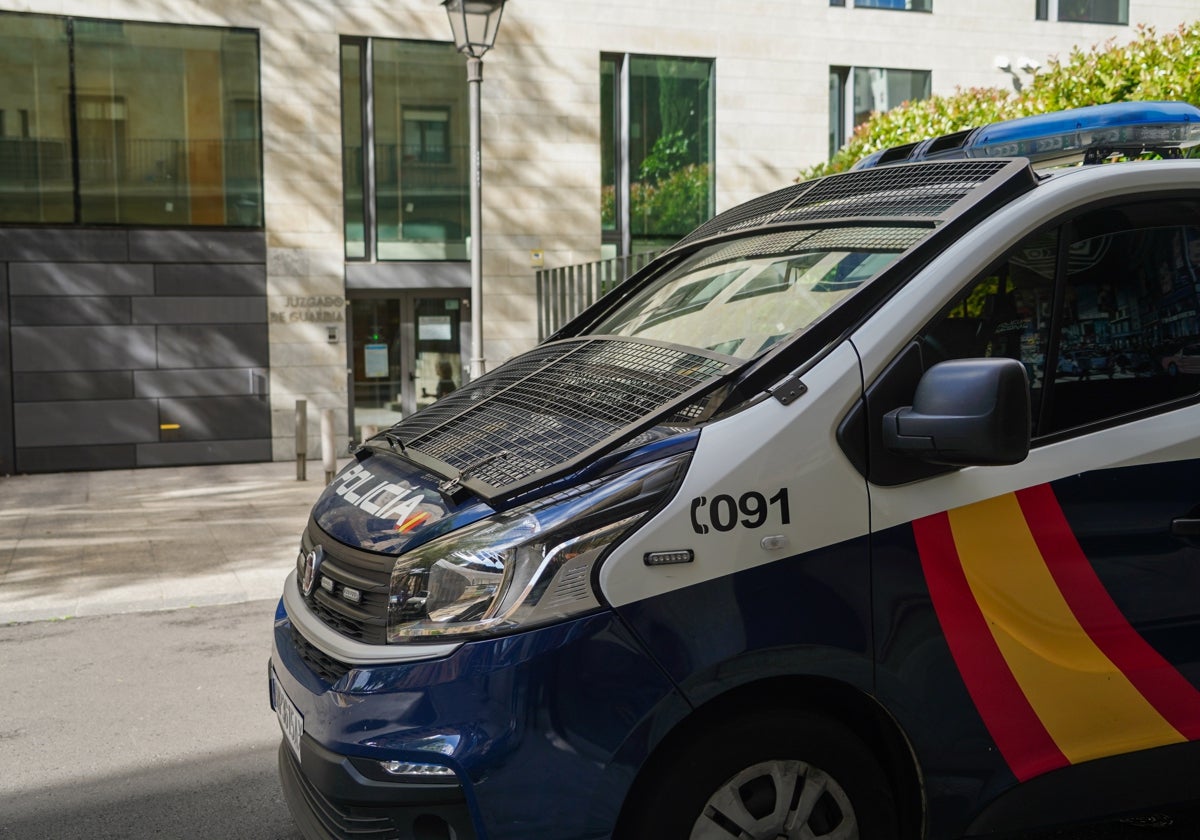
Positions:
{"x": 871, "y": 509}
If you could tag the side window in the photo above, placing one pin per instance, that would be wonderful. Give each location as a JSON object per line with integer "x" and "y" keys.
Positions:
{"x": 1005, "y": 312}
{"x": 1129, "y": 335}
{"x": 1121, "y": 336}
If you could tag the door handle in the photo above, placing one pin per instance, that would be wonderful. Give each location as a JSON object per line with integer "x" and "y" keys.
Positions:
{"x": 1185, "y": 526}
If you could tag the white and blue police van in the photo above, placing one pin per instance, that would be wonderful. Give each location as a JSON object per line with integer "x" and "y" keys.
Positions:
{"x": 871, "y": 509}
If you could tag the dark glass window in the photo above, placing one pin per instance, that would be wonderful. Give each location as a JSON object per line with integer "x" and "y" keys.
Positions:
{"x": 666, "y": 146}
{"x": 855, "y": 93}
{"x": 36, "y": 184}
{"x": 610, "y": 133}
{"x": 1004, "y": 313}
{"x": 1130, "y": 322}
{"x": 409, "y": 199}
{"x": 904, "y": 5}
{"x": 354, "y": 171}
{"x": 422, "y": 211}
{"x": 1119, "y": 333}
{"x": 1094, "y": 11}
{"x": 426, "y": 133}
{"x": 1041, "y": 10}
{"x": 151, "y": 124}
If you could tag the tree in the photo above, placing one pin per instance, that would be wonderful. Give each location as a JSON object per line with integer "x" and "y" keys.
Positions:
{"x": 1147, "y": 68}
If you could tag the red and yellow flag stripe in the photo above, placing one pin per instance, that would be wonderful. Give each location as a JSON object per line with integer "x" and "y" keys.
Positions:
{"x": 1056, "y": 671}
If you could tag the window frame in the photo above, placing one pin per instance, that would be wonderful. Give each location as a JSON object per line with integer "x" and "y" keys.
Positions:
{"x": 620, "y": 238}
{"x": 74, "y": 97}
{"x": 895, "y": 5}
{"x": 409, "y": 115}
{"x": 1052, "y": 10}
{"x": 842, "y": 92}
{"x": 361, "y": 105}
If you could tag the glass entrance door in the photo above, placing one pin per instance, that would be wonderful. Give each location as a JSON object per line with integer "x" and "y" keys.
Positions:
{"x": 438, "y": 358}
{"x": 407, "y": 351}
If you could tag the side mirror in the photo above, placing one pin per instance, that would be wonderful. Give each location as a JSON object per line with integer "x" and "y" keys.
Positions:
{"x": 966, "y": 412}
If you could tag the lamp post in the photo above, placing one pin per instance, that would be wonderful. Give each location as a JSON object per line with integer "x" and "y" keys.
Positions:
{"x": 475, "y": 23}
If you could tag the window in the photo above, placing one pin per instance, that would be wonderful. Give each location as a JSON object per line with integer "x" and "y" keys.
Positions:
{"x": 1005, "y": 313}
{"x": 1130, "y": 319}
{"x": 1084, "y": 11}
{"x": 1118, "y": 333}
{"x": 426, "y": 133}
{"x": 656, "y": 149}
{"x": 129, "y": 123}
{"x": 905, "y": 5}
{"x": 857, "y": 92}
{"x": 405, "y": 168}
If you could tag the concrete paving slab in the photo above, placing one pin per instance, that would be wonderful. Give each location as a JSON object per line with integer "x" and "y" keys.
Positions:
{"x": 152, "y": 539}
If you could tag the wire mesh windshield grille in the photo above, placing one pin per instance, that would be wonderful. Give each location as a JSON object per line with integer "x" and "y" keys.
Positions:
{"x": 865, "y": 238}
{"x": 546, "y": 409}
{"x": 855, "y": 238}
{"x": 771, "y": 244}
{"x": 920, "y": 191}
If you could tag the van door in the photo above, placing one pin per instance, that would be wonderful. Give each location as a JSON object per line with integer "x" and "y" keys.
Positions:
{"x": 1039, "y": 617}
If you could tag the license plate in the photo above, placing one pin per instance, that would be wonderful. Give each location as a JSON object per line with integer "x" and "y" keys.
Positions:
{"x": 290, "y": 719}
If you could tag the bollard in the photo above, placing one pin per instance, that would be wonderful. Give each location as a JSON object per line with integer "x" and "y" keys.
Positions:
{"x": 328, "y": 444}
{"x": 302, "y": 440}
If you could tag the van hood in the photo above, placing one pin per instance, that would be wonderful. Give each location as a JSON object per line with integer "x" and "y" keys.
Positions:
{"x": 386, "y": 504}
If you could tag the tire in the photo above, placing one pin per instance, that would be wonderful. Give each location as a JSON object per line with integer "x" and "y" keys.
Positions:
{"x": 778, "y": 774}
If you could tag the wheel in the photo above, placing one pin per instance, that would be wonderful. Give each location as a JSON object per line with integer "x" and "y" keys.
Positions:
{"x": 775, "y": 776}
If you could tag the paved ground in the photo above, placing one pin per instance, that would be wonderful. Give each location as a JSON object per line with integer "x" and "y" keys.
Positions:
{"x": 78, "y": 544}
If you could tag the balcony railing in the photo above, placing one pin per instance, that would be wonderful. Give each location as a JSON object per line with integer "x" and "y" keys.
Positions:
{"x": 562, "y": 293}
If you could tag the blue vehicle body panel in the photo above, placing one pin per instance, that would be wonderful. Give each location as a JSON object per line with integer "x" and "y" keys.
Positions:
{"x": 568, "y": 711}
{"x": 1121, "y": 519}
{"x": 808, "y": 614}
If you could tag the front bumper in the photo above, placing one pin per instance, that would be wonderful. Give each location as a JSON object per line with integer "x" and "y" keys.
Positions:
{"x": 544, "y": 732}
{"x": 332, "y": 797}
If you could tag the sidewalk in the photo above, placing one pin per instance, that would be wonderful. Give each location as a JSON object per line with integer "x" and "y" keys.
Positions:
{"x": 75, "y": 544}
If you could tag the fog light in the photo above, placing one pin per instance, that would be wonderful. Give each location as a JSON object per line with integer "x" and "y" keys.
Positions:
{"x": 412, "y": 768}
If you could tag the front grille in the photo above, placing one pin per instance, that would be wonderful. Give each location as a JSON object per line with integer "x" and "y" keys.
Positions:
{"x": 347, "y": 571}
{"x": 546, "y": 411}
{"x": 321, "y": 664}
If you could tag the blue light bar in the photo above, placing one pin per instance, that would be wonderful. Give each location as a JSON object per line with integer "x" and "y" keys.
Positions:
{"x": 1091, "y": 133}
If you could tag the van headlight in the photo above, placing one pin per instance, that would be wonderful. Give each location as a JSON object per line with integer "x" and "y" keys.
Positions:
{"x": 525, "y": 567}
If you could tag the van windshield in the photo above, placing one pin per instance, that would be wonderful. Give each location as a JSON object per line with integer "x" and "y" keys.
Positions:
{"x": 739, "y": 298}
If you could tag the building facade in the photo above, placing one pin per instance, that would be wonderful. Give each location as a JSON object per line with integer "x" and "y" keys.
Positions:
{"x": 211, "y": 209}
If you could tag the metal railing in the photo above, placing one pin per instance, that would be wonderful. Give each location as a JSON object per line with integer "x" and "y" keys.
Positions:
{"x": 562, "y": 293}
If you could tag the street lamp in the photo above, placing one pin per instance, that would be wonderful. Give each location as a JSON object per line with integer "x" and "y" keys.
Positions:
{"x": 475, "y": 23}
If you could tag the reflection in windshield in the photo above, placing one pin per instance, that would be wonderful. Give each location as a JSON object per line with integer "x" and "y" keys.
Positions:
{"x": 740, "y": 298}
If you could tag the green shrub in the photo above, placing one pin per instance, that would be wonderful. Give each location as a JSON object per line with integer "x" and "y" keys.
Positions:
{"x": 671, "y": 206}
{"x": 1148, "y": 68}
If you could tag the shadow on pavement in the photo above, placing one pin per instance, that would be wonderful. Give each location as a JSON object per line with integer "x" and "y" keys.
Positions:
{"x": 228, "y": 795}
